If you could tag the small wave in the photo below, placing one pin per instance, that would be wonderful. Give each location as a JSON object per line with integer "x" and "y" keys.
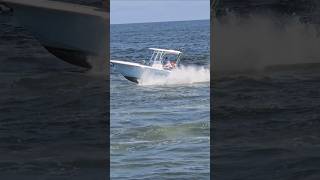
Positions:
{"x": 182, "y": 75}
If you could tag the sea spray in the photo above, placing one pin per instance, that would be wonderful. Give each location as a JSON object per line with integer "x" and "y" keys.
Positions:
{"x": 257, "y": 41}
{"x": 181, "y": 75}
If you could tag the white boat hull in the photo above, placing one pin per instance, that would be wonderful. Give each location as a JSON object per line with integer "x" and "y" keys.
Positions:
{"x": 73, "y": 33}
{"x": 134, "y": 71}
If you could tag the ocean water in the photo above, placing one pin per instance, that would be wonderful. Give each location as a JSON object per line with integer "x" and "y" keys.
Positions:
{"x": 160, "y": 129}
{"x": 266, "y": 94}
{"x": 266, "y": 125}
{"x": 53, "y": 116}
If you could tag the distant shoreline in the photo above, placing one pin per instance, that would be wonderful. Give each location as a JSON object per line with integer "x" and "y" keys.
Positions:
{"x": 160, "y": 22}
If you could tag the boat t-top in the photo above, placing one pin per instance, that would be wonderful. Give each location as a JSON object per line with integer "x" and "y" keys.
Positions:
{"x": 161, "y": 63}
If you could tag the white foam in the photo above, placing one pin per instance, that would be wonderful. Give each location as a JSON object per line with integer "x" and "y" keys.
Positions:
{"x": 181, "y": 75}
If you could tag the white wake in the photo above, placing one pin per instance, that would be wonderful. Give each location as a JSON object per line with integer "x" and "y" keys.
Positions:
{"x": 182, "y": 75}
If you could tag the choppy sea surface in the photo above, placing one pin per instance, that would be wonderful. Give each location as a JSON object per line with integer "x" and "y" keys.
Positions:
{"x": 53, "y": 116}
{"x": 161, "y": 129}
{"x": 266, "y": 96}
{"x": 267, "y": 125}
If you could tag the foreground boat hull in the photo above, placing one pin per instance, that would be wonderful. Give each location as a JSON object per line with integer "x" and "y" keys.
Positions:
{"x": 135, "y": 72}
{"x": 71, "y": 32}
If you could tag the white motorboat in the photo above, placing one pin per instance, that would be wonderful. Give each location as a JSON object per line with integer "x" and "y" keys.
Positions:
{"x": 161, "y": 63}
{"x": 74, "y": 33}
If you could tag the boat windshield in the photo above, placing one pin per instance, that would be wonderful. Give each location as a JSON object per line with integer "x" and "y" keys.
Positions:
{"x": 169, "y": 58}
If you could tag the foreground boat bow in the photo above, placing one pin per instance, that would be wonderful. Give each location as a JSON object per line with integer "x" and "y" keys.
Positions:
{"x": 73, "y": 33}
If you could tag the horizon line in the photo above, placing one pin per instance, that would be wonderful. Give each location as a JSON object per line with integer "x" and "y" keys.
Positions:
{"x": 158, "y": 21}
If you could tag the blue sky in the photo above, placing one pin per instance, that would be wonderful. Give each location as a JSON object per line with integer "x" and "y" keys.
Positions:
{"x": 137, "y": 11}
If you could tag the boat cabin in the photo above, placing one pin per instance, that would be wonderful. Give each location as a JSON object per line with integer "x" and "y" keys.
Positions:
{"x": 164, "y": 58}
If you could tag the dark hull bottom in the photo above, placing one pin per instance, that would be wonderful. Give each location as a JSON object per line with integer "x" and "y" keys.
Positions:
{"x": 74, "y": 57}
{"x": 132, "y": 79}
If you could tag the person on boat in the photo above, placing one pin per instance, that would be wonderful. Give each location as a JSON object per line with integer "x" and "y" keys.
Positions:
{"x": 173, "y": 64}
{"x": 167, "y": 64}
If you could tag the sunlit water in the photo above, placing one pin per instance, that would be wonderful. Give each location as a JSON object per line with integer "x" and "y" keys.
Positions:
{"x": 160, "y": 128}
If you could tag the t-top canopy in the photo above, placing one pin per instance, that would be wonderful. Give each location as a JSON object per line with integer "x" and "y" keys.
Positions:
{"x": 166, "y": 50}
